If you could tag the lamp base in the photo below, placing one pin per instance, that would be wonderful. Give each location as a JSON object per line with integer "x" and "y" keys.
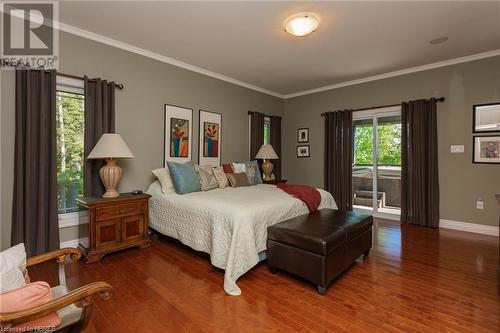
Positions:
{"x": 267, "y": 167}
{"x": 111, "y": 174}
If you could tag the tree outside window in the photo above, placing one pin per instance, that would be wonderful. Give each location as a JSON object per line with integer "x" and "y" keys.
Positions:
{"x": 70, "y": 159}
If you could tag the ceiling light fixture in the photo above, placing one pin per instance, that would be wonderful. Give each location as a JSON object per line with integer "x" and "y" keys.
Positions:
{"x": 301, "y": 24}
{"x": 439, "y": 40}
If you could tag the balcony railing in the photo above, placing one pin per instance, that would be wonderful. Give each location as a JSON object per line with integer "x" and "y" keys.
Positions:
{"x": 388, "y": 186}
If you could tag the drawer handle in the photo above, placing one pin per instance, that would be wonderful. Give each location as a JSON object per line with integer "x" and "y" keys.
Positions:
{"x": 123, "y": 210}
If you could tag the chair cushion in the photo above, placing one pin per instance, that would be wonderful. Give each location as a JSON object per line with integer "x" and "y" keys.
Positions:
{"x": 69, "y": 314}
{"x": 320, "y": 232}
{"x": 29, "y": 296}
{"x": 185, "y": 177}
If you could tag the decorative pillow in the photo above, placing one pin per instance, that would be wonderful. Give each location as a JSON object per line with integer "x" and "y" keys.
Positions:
{"x": 29, "y": 296}
{"x": 165, "y": 180}
{"x": 207, "y": 179}
{"x": 13, "y": 262}
{"x": 239, "y": 167}
{"x": 11, "y": 280}
{"x": 252, "y": 170}
{"x": 184, "y": 177}
{"x": 228, "y": 168}
{"x": 238, "y": 179}
{"x": 258, "y": 175}
{"x": 221, "y": 177}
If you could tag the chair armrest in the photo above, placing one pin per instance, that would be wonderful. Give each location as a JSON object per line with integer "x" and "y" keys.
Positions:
{"x": 82, "y": 297}
{"x": 61, "y": 254}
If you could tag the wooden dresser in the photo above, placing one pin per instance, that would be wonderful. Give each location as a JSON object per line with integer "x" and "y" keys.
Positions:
{"x": 115, "y": 224}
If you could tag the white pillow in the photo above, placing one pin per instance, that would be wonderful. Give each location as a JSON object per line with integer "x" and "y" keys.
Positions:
{"x": 11, "y": 280}
{"x": 12, "y": 267}
{"x": 163, "y": 175}
{"x": 239, "y": 167}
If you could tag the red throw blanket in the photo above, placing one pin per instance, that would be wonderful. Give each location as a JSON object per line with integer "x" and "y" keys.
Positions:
{"x": 308, "y": 194}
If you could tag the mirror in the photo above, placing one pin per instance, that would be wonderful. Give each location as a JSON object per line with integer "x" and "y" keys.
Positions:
{"x": 487, "y": 118}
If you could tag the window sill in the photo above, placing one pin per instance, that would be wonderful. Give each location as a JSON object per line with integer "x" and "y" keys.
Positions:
{"x": 72, "y": 219}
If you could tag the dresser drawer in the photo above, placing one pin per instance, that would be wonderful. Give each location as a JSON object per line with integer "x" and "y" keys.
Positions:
{"x": 105, "y": 213}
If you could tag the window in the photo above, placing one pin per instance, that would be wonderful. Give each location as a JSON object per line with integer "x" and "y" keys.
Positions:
{"x": 376, "y": 174}
{"x": 69, "y": 135}
{"x": 267, "y": 130}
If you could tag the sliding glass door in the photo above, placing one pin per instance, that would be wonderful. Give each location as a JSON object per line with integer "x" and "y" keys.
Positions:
{"x": 376, "y": 174}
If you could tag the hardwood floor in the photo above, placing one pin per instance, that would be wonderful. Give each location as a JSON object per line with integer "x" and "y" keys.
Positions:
{"x": 414, "y": 280}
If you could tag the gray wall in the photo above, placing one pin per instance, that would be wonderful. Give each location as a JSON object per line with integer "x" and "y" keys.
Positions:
{"x": 149, "y": 84}
{"x": 461, "y": 181}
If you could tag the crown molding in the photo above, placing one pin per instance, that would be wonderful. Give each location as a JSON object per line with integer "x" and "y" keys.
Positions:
{"x": 444, "y": 63}
{"x": 149, "y": 54}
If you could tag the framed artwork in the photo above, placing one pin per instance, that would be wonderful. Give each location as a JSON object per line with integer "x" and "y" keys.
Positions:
{"x": 486, "y": 149}
{"x": 303, "y": 135}
{"x": 486, "y": 118}
{"x": 178, "y": 134}
{"x": 210, "y": 138}
{"x": 303, "y": 151}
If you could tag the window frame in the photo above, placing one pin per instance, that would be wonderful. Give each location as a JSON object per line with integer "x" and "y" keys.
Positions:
{"x": 74, "y": 86}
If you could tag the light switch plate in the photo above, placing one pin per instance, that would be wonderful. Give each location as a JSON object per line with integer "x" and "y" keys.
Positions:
{"x": 457, "y": 149}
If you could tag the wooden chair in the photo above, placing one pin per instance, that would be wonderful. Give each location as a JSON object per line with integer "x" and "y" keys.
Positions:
{"x": 74, "y": 307}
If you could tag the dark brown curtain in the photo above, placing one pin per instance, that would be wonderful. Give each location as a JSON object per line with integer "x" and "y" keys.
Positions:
{"x": 99, "y": 119}
{"x": 34, "y": 211}
{"x": 419, "y": 163}
{"x": 256, "y": 134}
{"x": 338, "y": 157}
{"x": 275, "y": 140}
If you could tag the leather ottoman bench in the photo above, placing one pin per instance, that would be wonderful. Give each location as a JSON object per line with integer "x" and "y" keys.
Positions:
{"x": 319, "y": 246}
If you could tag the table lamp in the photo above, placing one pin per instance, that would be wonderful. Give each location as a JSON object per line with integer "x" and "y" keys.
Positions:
{"x": 267, "y": 153}
{"x": 109, "y": 147}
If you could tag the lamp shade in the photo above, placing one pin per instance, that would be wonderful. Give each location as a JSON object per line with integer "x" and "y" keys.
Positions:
{"x": 110, "y": 146}
{"x": 266, "y": 152}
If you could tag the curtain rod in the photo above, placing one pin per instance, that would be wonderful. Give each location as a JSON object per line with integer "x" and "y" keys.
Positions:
{"x": 118, "y": 85}
{"x": 438, "y": 99}
{"x": 265, "y": 115}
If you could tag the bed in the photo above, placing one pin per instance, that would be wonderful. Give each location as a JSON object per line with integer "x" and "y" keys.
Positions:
{"x": 229, "y": 224}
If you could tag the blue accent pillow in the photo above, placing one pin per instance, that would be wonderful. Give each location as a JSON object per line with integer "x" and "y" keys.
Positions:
{"x": 258, "y": 174}
{"x": 184, "y": 177}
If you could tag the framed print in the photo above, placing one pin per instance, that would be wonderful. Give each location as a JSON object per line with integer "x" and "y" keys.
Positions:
{"x": 303, "y": 151}
{"x": 178, "y": 134}
{"x": 303, "y": 135}
{"x": 486, "y": 118}
{"x": 210, "y": 138}
{"x": 486, "y": 149}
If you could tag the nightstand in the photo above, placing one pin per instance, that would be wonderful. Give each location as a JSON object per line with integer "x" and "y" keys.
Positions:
{"x": 115, "y": 224}
{"x": 274, "y": 181}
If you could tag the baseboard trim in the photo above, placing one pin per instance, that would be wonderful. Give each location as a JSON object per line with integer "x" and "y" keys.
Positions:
{"x": 469, "y": 227}
{"x": 73, "y": 242}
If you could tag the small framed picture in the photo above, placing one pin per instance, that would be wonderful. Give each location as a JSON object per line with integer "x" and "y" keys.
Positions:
{"x": 486, "y": 118}
{"x": 486, "y": 149}
{"x": 303, "y": 135}
{"x": 303, "y": 151}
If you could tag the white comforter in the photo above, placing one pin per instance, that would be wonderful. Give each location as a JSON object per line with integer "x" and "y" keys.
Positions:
{"x": 230, "y": 224}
